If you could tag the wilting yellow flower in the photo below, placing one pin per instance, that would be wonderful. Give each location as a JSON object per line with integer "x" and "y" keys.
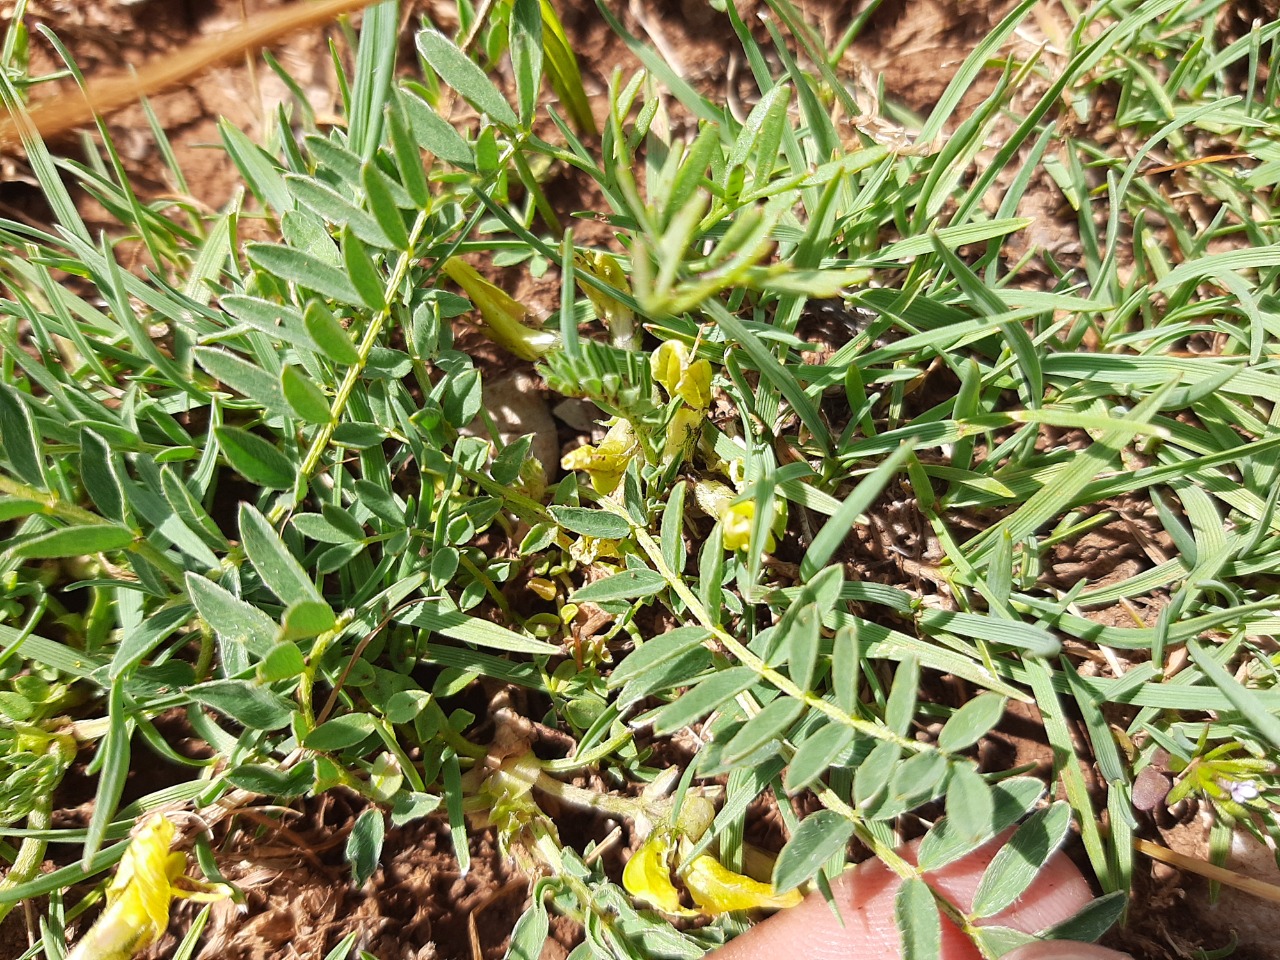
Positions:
{"x": 717, "y": 889}
{"x": 673, "y": 366}
{"x": 714, "y": 887}
{"x": 617, "y": 316}
{"x": 682, "y": 434}
{"x": 667, "y": 364}
{"x": 502, "y": 314}
{"x": 647, "y": 877}
{"x": 716, "y": 500}
{"x": 607, "y": 462}
{"x": 737, "y": 522}
{"x": 587, "y": 550}
{"x": 543, "y": 587}
{"x": 139, "y": 895}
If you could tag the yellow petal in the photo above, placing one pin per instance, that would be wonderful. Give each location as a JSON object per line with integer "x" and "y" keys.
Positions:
{"x": 604, "y": 267}
{"x": 605, "y": 464}
{"x": 502, "y": 314}
{"x": 668, "y": 364}
{"x": 144, "y": 883}
{"x": 737, "y": 527}
{"x": 138, "y": 897}
{"x": 717, "y": 889}
{"x": 647, "y": 877}
{"x": 694, "y": 386}
{"x": 682, "y": 433}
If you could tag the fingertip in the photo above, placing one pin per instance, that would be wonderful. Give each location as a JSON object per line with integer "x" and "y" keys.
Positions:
{"x": 866, "y": 926}
{"x": 1064, "y": 950}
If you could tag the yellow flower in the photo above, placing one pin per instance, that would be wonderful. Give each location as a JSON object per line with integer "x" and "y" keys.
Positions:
{"x": 667, "y": 364}
{"x": 647, "y": 877}
{"x": 503, "y": 316}
{"x": 606, "y": 463}
{"x": 714, "y": 887}
{"x": 737, "y": 522}
{"x": 717, "y": 889}
{"x": 587, "y": 550}
{"x": 617, "y": 316}
{"x": 716, "y": 500}
{"x": 672, "y": 366}
{"x": 682, "y": 434}
{"x": 139, "y": 895}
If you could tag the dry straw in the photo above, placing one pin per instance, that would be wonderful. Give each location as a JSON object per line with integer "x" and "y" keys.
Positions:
{"x": 58, "y": 114}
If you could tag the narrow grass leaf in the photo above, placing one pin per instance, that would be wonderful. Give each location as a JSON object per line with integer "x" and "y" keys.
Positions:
{"x": 840, "y": 525}
{"x": 375, "y": 70}
{"x": 454, "y": 796}
{"x": 1242, "y": 698}
{"x": 113, "y": 773}
{"x": 260, "y": 172}
{"x": 563, "y": 71}
{"x": 772, "y": 372}
{"x": 949, "y": 237}
{"x": 1032, "y": 640}
{"x": 526, "y": 46}
{"x": 1052, "y": 499}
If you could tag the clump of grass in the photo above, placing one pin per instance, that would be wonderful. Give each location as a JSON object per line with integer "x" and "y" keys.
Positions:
{"x": 241, "y": 484}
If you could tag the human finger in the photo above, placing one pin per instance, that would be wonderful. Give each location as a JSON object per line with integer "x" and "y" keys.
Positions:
{"x": 1064, "y": 950}
{"x": 865, "y": 899}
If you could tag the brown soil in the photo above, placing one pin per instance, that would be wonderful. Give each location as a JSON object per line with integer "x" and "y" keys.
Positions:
{"x": 298, "y": 897}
